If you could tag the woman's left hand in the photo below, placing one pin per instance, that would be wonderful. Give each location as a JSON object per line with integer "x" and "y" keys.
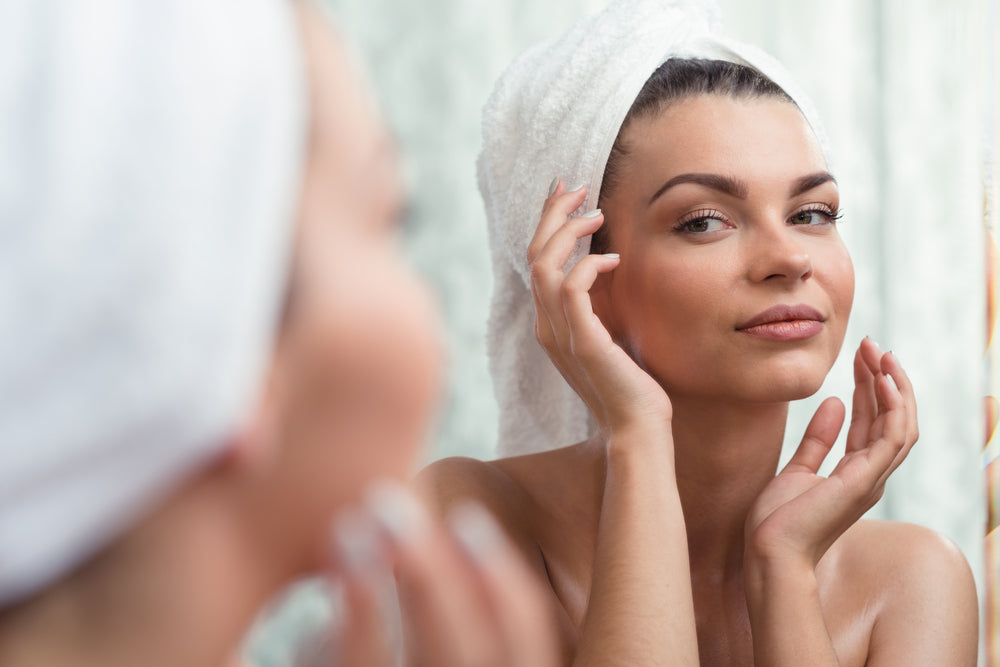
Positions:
{"x": 799, "y": 514}
{"x": 466, "y": 595}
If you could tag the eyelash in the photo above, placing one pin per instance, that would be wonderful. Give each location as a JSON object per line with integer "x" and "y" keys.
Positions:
{"x": 831, "y": 214}
{"x": 684, "y": 223}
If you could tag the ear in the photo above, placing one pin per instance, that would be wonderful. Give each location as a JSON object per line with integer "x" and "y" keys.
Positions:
{"x": 256, "y": 443}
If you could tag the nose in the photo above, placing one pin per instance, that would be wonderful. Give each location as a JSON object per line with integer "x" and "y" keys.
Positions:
{"x": 778, "y": 255}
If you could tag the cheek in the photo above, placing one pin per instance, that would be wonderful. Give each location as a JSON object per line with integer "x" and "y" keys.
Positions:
{"x": 670, "y": 302}
{"x": 369, "y": 367}
{"x": 836, "y": 272}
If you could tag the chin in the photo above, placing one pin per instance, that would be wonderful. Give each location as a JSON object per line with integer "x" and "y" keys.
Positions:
{"x": 785, "y": 393}
{"x": 783, "y": 386}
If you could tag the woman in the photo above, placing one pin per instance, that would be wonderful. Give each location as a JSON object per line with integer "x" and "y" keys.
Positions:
{"x": 212, "y": 347}
{"x": 717, "y": 291}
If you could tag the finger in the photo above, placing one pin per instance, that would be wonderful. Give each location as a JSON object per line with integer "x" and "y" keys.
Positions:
{"x": 557, "y": 210}
{"x": 513, "y": 593}
{"x": 559, "y": 354}
{"x": 894, "y": 435}
{"x": 361, "y": 570}
{"x": 863, "y": 405}
{"x": 444, "y": 623}
{"x": 872, "y": 467}
{"x": 545, "y": 332}
{"x": 586, "y": 329}
{"x": 560, "y": 243}
{"x": 547, "y": 269}
{"x": 552, "y": 333}
{"x": 556, "y": 188}
{"x": 892, "y": 367}
{"x": 872, "y": 355}
{"x": 547, "y": 275}
{"x": 819, "y": 437}
{"x": 362, "y": 638}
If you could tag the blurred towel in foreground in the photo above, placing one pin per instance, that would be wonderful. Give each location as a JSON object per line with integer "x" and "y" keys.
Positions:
{"x": 119, "y": 122}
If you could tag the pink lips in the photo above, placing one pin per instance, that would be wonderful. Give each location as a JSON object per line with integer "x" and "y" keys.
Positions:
{"x": 784, "y": 323}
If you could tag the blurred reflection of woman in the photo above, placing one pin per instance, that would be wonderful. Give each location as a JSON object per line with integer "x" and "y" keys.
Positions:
{"x": 211, "y": 346}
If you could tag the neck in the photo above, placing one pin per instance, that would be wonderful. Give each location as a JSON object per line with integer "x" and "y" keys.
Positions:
{"x": 179, "y": 589}
{"x": 724, "y": 457}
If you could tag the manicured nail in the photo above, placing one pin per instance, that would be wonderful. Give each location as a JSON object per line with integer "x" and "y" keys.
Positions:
{"x": 612, "y": 255}
{"x": 593, "y": 214}
{"x": 397, "y": 511}
{"x": 576, "y": 188}
{"x": 357, "y": 544}
{"x": 476, "y": 531}
{"x": 553, "y": 186}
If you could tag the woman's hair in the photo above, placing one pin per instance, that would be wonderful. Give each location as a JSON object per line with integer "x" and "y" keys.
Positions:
{"x": 674, "y": 80}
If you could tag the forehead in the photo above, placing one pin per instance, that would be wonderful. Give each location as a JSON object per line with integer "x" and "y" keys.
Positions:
{"x": 759, "y": 137}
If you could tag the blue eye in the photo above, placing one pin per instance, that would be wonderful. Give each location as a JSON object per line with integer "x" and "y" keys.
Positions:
{"x": 818, "y": 216}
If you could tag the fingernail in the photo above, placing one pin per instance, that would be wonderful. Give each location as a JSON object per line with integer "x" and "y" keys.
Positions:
{"x": 576, "y": 188}
{"x": 397, "y": 511}
{"x": 356, "y": 541}
{"x": 553, "y": 186}
{"x": 476, "y": 531}
{"x": 612, "y": 255}
{"x": 593, "y": 214}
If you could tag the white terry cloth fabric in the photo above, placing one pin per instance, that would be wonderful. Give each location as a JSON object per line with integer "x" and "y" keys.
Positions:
{"x": 150, "y": 161}
{"x": 555, "y": 112}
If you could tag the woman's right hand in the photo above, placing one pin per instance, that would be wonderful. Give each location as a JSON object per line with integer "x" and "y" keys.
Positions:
{"x": 618, "y": 393}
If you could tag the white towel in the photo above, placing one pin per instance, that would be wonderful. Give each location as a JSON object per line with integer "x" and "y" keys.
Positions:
{"x": 555, "y": 112}
{"x": 150, "y": 157}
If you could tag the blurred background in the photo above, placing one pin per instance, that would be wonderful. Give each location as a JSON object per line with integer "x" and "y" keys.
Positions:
{"x": 907, "y": 89}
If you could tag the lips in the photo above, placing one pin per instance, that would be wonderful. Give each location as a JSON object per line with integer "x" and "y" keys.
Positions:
{"x": 784, "y": 323}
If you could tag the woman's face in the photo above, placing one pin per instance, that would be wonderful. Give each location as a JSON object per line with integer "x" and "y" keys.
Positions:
{"x": 358, "y": 361}
{"x": 723, "y": 217}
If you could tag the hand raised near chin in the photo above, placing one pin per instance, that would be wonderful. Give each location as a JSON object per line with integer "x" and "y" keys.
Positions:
{"x": 618, "y": 393}
{"x": 799, "y": 514}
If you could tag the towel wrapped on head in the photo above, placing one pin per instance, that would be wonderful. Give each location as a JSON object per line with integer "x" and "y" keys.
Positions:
{"x": 150, "y": 162}
{"x": 555, "y": 113}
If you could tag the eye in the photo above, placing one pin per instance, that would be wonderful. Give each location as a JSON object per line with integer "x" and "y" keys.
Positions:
{"x": 822, "y": 215}
{"x": 701, "y": 222}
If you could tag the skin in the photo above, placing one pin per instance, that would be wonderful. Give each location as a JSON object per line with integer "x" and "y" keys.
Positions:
{"x": 668, "y": 538}
{"x": 347, "y": 399}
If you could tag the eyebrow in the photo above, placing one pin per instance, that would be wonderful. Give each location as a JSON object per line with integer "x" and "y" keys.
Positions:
{"x": 726, "y": 184}
{"x": 735, "y": 187}
{"x": 810, "y": 181}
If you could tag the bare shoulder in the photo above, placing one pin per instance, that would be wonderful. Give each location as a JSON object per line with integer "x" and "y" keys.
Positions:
{"x": 451, "y": 481}
{"x": 514, "y": 484}
{"x": 895, "y": 550}
{"x": 528, "y": 494}
{"x": 921, "y": 588}
{"x": 456, "y": 479}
